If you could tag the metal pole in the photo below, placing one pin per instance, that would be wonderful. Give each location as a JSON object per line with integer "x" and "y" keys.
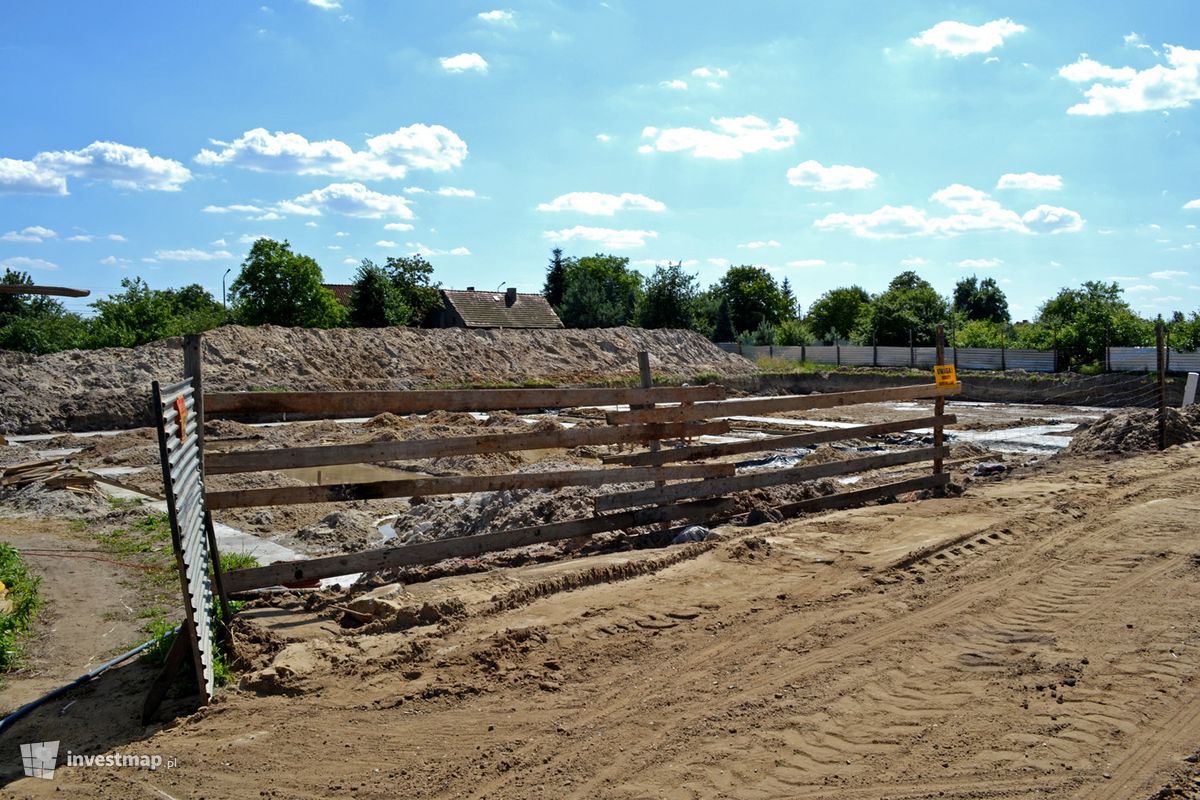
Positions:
{"x": 223, "y": 277}
{"x": 1162, "y": 386}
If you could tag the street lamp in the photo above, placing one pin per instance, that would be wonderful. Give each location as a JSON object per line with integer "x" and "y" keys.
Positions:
{"x": 223, "y": 277}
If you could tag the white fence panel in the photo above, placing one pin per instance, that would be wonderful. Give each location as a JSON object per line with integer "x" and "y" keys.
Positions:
{"x": 789, "y": 352}
{"x": 728, "y": 347}
{"x": 1030, "y": 360}
{"x": 822, "y": 354}
{"x": 755, "y": 352}
{"x": 894, "y": 356}
{"x": 977, "y": 358}
{"x": 1182, "y": 362}
{"x": 858, "y": 356}
{"x": 926, "y": 356}
{"x": 1132, "y": 359}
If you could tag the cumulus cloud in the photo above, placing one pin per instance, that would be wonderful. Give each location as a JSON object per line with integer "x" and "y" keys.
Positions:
{"x": 807, "y": 262}
{"x": 32, "y": 234}
{"x": 1168, "y": 275}
{"x": 389, "y": 155}
{"x": 450, "y": 191}
{"x": 327, "y": 5}
{"x": 117, "y": 164}
{"x": 980, "y": 263}
{"x": 1116, "y": 90}
{"x": 349, "y": 199}
{"x": 812, "y": 175}
{"x": 601, "y": 204}
{"x": 913, "y": 261}
{"x": 464, "y": 62}
{"x": 193, "y": 254}
{"x": 391, "y": 226}
{"x": 759, "y": 245}
{"x": 673, "y": 84}
{"x": 731, "y": 137}
{"x": 419, "y": 249}
{"x": 959, "y": 39}
{"x": 718, "y": 262}
{"x": 21, "y": 263}
{"x": 239, "y": 208}
{"x": 603, "y": 137}
{"x": 26, "y": 177}
{"x": 500, "y": 16}
{"x": 605, "y": 237}
{"x": 1030, "y": 180}
{"x": 1191, "y": 204}
{"x": 388, "y": 243}
{"x": 974, "y": 210}
{"x": 710, "y": 72}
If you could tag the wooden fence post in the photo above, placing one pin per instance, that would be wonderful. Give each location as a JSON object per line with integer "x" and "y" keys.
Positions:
{"x": 1162, "y": 386}
{"x": 939, "y": 408}
{"x": 647, "y": 383}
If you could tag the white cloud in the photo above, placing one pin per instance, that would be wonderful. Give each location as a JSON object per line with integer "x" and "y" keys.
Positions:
{"x": 389, "y": 155}
{"x": 1190, "y": 204}
{"x": 463, "y": 62}
{"x": 26, "y": 177}
{"x": 238, "y": 208}
{"x": 718, "y": 262}
{"x": 386, "y": 243}
{"x": 959, "y": 39}
{"x": 32, "y": 234}
{"x": 710, "y": 72}
{"x": 391, "y": 226}
{"x": 1125, "y": 89}
{"x": 427, "y": 251}
{"x": 1140, "y": 288}
{"x": 812, "y": 175}
{"x": 605, "y": 237}
{"x": 310, "y": 224}
{"x": 732, "y": 138}
{"x": 114, "y": 261}
{"x": 1168, "y": 275}
{"x": 351, "y": 200}
{"x": 24, "y": 263}
{"x": 450, "y": 191}
{"x": 459, "y": 251}
{"x": 807, "y": 262}
{"x": 115, "y": 237}
{"x": 601, "y": 204}
{"x": 327, "y": 5}
{"x": 1052, "y": 219}
{"x": 913, "y": 261}
{"x": 333, "y": 247}
{"x": 674, "y": 84}
{"x": 974, "y": 211}
{"x": 192, "y": 254}
{"x": 251, "y": 238}
{"x": 980, "y": 263}
{"x": 758, "y": 245}
{"x": 603, "y": 137}
{"x": 501, "y": 16}
{"x": 219, "y": 243}
{"x": 81, "y": 237}
{"x": 1030, "y": 180}
{"x": 343, "y": 234}
{"x": 349, "y": 261}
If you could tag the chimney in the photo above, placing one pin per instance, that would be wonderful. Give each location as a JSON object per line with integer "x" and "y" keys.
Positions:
{"x": 510, "y": 296}
{"x": 470, "y": 288}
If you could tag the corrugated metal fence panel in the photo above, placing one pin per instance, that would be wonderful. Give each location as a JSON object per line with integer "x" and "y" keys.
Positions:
{"x": 790, "y": 352}
{"x": 1184, "y": 362}
{"x": 977, "y": 358}
{"x": 728, "y": 347}
{"x": 893, "y": 356}
{"x": 927, "y": 356}
{"x": 183, "y": 481}
{"x": 822, "y": 354}
{"x": 1133, "y": 359}
{"x": 754, "y": 352}
{"x": 858, "y": 356}
{"x": 1030, "y": 360}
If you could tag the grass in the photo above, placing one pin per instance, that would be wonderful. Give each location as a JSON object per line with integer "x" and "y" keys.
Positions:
{"x": 232, "y": 561}
{"x": 19, "y": 603}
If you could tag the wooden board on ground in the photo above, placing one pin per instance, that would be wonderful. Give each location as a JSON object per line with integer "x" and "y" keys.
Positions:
{"x": 243, "y": 580}
{"x": 458, "y": 484}
{"x": 859, "y": 496}
{"x": 332, "y": 405}
{"x": 703, "y": 451}
{"x": 773, "y": 405}
{"x": 757, "y": 480}
{"x": 374, "y": 452}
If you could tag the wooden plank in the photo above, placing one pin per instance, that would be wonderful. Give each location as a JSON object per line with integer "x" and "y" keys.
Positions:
{"x": 368, "y": 404}
{"x": 374, "y": 452}
{"x": 465, "y": 546}
{"x": 54, "y": 291}
{"x": 772, "y": 405}
{"x": 859, "y": 496}
{"x": 756, "y": 480}
{"x": 457, "y": 484}
{"x": 704, "y": 451}
{"x": 939, "y": 405}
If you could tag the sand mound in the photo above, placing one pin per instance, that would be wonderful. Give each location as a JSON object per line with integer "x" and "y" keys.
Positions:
{"x": 109, "y": 388}
{"x": 1135, "y": 431}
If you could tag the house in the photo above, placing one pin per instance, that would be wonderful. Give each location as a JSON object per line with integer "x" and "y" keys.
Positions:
{"x": 510, "y": 309}
{"x": 342, "y": 291}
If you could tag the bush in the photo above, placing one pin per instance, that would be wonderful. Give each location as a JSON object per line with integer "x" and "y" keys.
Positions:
{"x": 19, "y": 602}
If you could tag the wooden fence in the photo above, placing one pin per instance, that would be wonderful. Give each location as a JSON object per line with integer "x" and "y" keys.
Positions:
{"x": 666, "y": 423}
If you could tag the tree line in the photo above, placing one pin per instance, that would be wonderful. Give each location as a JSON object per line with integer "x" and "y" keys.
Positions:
{"x": 278, "y": 286}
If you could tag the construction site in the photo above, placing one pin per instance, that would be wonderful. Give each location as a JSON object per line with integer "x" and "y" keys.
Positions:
{"x": 605, "y": 563}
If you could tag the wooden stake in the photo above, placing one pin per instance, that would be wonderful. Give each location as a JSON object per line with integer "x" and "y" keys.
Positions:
{"x": 1162, "y": 386}
{"x": 939, "y": 408}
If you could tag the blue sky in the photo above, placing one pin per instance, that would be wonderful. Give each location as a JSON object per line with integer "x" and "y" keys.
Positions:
{"x": 1041, "y": 144}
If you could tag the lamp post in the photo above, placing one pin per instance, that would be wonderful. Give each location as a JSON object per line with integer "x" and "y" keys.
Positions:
{"x": 223, "y": 277}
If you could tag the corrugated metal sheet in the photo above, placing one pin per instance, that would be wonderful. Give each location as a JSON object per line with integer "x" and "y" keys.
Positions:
{"x": 183, "y": 486}
{"x": 858, "y": 356}
{"x": 728, "y": 347}
{"x": 790, "y": 352}
{"x": 893, "y": 357}
{"x": 1145, "y": 359}
{"x": 1030, "y": 360}
{"x": 976, "y": 358}
{"x": 822, "y": 354}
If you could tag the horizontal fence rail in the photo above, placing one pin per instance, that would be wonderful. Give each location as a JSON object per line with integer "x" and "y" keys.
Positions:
{"x": 975, "y": 358}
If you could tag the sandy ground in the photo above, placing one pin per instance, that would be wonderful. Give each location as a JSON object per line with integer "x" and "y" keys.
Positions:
{"x": 1038, "y": 637}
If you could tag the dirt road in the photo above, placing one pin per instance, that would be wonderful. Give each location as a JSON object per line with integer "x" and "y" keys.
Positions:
{"x": 1038, "y": 637}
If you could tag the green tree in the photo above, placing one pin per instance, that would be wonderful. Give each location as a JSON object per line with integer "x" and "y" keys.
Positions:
{"x": 980, "y": 300}
{"x": 978, "y": 333}
{"x": 413, "y": 278}
{"x": 724, "y": 330}
{"x": 36, "y": 323}
{"x": 1185, "y": 331}
{"x": 790, "y": 297}
{"x": 1084, "y": 321}
{"x": 670, "y": 299}
{"x": 601, "y": 292}
{"x": 834, "y": 314}
{"x": 139, "y": 315}
{"x": 754, "y": 297}
{"x": 909, "y": 307}
{"x": 556, "y": 279}
{"x": 375, "y": 302}
{"x": 279, "y": 287}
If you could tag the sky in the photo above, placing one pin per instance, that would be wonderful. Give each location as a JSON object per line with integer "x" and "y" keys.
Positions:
{"x": 1042, "y": 144}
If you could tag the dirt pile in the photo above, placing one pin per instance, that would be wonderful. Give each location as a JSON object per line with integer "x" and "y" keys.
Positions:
{"x": 109, "y": 388}
{"x": 1135, "y": 431}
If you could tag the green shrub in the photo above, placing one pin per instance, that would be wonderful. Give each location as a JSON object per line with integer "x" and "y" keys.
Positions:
{"x": 22, "y": 600}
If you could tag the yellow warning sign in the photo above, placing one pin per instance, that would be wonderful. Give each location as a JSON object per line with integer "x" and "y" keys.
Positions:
{"x": 943, "y": 375}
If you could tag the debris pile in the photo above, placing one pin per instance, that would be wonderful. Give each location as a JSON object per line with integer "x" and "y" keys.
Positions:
{"x": 1135, "y": 431}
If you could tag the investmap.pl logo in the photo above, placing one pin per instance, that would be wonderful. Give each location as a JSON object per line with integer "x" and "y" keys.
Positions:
{"x": 41, "y": 758}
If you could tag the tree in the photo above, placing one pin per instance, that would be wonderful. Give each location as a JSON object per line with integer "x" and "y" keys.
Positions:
{"x": 36, "y": 323}
{"x": 669, "y": 300}
{"x": 978, "y": 333}
{"x": 834, "y": 314}
{"x": 980, "y": 300}
{"x": 279, "y": 287}
{"x": 792, "y": 333}
{"x": 724, "y": 331}
{"x": 754, "y": 297}
{"x": 139, "y": 315}
{"x": 411, "y": 275}
{"x": 786, "y": 289}
{"x": 1184, "y": 331}
{"x": 556, "y": 279}
{"x": 909, "y": 308}
{"x": 1083, "y": 322}
{"x": 375, "y": 302}
{"x": 601, "y": 292}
